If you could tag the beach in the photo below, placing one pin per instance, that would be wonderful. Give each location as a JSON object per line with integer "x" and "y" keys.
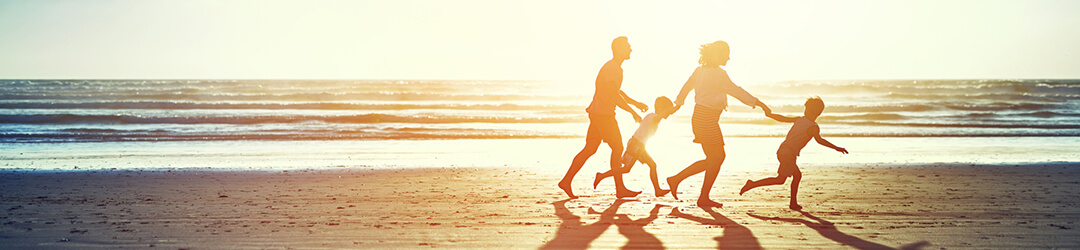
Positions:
{"x": 291, "y": 124}
{"x": 870, "y": 207}
{"x": 256, "y": 164}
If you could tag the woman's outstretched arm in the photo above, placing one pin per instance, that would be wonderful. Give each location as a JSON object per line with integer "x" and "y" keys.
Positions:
{"x": 731, "y": 89}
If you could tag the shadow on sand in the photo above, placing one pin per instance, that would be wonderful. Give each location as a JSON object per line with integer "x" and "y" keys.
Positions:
{"x": 572, "y": 234}
{"x": 827, "y": 229}
{"x": 575, "y": 234}
{"x": 735, "y": 235}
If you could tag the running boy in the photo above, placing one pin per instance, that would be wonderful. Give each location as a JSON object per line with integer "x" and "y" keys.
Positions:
{"x": 635, "y": 148}
{"x": 804, "y": 128}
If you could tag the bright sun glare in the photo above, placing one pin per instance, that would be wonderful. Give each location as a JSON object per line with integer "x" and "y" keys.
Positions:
{"x": 549, "y": 40}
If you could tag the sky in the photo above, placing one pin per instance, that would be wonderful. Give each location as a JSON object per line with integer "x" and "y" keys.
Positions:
{"x": 536, "y": 40}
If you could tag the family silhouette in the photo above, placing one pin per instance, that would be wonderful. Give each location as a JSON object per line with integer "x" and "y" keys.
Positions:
{"x": 711, "y": 86}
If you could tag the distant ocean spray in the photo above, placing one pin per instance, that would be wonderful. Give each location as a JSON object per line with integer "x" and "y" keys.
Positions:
{"x": 208, "y": 110}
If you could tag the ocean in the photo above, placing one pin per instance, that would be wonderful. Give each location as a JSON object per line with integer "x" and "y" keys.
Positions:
{"x": 61, "y": 124}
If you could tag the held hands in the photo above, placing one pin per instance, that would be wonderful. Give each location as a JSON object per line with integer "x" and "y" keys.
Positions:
{"x": 765, "y": 108}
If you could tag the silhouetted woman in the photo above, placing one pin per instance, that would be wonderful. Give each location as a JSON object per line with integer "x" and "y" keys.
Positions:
{"x": 712, "y": 86}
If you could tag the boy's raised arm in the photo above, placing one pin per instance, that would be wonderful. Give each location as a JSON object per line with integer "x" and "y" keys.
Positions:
{"x": 815, "y": 131}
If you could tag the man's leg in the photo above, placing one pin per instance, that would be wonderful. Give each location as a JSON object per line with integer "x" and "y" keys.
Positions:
{"x": 590, "y": 148}
{"x": 600, "y": 176}
{"x": 616, "y": 163}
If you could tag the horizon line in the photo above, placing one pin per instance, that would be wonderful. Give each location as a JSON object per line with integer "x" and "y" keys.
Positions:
{"x": 531, "y": 80}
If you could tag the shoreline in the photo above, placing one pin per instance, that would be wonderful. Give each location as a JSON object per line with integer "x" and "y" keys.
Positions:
{"x": 542, "y": 155}
{"x": 897, "y": 206}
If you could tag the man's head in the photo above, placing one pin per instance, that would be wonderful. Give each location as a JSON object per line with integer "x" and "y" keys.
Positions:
{"x": 814, "y": 107}
{"x": 620, "y": 48}
{"x": 714, "y": 54}
{"x": 663, "y": 106}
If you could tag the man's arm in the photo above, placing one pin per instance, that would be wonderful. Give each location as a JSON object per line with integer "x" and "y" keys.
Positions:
{"x": 637, "y": 104}
{"x": 610, "y": 92}
{"x": 815, "y": 131}
{"x": 619, "y": 101}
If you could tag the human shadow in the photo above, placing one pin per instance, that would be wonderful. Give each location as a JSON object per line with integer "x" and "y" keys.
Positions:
{"x": 634, "y": 230}
{"x": 735, "y": 235}
{"x": 573, "y": 235}
{"x": 828, "y": 230}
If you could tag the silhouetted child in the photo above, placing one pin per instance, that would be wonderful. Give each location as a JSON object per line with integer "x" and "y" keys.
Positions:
{"x": 800, "y": 133}
{"x": 635, "y": 147}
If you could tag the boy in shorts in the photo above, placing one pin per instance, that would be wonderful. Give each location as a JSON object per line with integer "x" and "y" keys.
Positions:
{"x": 635, "y": 147}
{"x": 801, "y": 131}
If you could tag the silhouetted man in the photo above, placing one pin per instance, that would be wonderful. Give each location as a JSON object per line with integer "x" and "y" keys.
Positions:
{"x": 602, "y": 124}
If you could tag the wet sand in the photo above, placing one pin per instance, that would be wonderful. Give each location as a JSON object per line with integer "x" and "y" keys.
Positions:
{"x": 865, "y": 207}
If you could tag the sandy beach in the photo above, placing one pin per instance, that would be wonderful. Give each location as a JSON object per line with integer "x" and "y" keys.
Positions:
{"x": 868, "y": 207}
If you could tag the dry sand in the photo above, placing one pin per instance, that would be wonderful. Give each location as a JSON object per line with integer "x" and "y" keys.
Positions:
{"x": 930, "y": 207}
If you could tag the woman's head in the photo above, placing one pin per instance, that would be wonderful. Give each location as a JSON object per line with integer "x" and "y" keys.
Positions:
{"x": 714, "y": 54}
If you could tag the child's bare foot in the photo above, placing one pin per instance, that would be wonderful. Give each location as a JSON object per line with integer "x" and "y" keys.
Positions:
{"x": 566, "y": 188}
{"x": 795, "y": 207}
{"x": 626, "y": 193}
{"x": 745, "y": 187}
{"x": 673, "y": 187}
{"x": 596, "y": 181}
{"x": 705, "y": 203}
{"x": 662, "y": 192}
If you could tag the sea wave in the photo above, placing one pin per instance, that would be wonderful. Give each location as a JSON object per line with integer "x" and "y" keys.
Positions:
{"x": 120, "y": 110}
{"x": 181, "y": 105}
{"x": 311, "y": 97}
{"x": 260, "y": 119}
{"x": 393, "y": 134}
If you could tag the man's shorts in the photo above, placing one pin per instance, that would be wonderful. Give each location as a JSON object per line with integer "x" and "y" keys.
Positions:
{"x": 603, "y": 127}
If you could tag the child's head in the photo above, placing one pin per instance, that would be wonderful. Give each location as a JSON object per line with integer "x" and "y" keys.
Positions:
{"x": 663, "y": 106}
{"x": 814, "y": 106}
